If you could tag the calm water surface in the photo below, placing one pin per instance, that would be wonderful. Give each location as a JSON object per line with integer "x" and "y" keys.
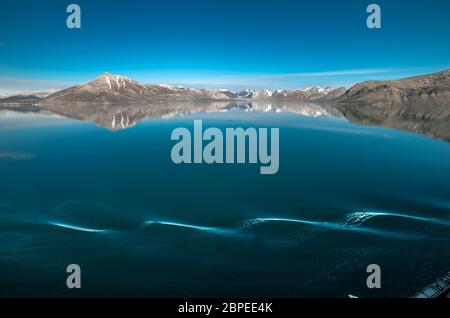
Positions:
{"x": 345, "y": 196}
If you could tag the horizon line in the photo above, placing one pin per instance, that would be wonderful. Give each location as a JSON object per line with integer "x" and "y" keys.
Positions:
{"x": 248, "y": 81}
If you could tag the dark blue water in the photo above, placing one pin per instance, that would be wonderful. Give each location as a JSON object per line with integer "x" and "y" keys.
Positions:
{"x": 345, "y": 196}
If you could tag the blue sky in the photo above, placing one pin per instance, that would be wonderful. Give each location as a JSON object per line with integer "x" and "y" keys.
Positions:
{"x": 229, "y": 44}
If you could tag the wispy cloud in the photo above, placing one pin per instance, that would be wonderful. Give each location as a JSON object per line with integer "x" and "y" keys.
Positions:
{"x": 337, "y": 73}
{"x": 289, "y": 80}
{"x": 2, "y": 44}
{"x": 16, "y": 155}
{"x": 17, "y": 85}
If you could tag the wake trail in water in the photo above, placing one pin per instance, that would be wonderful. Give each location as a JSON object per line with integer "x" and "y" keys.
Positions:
{"x": 353, "y": 222}
{"x": 330, "y": 226}
{"x": 209, "y": 229}
{"x": 77, "y": 228}
{"x": 359, "y": 218}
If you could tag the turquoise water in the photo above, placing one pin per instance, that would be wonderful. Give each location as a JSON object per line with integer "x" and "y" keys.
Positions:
{"x": 345, "y": 196}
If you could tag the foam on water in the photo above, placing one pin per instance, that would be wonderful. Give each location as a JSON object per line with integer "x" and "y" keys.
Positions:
{"x": 358, "y": 218}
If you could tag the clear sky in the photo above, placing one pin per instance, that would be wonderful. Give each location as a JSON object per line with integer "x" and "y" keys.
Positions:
{"x": 214, "y": 43}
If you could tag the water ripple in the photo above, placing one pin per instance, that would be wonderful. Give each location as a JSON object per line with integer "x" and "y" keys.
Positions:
{"x": 210, "y": 229}
{"x": 353, "y": 223}
{"x": 359, "y": 218}
{"x": 77, "y": 228}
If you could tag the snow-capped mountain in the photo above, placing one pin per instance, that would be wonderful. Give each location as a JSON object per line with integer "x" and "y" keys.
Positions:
{"x": 37, "y": 94}
{"x": 262, "y": 94}
{"x": 301, "y": 94}
{"x": 109, "y": 88}
{"x": 247, "y": 93}
{"x": 306, "y": 94}
{"x": 334, "y": 93}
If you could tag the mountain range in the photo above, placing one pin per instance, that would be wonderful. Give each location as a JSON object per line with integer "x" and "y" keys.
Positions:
{"x": 420, "y": 104}
{"x": 110, "y": 89}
